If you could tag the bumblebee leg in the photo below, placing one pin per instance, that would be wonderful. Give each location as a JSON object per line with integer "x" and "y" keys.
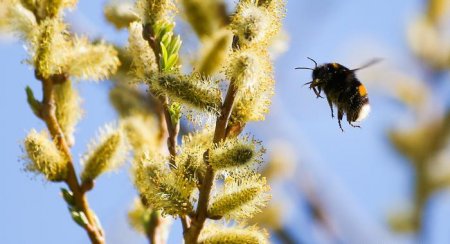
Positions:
{"x": 357, "y": 126}
{"x": 340, "y": 116}
{"x": 316, "y": 92}
{"x": 331, "y": 106}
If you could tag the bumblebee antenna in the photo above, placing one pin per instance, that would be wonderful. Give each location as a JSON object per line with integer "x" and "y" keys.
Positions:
{"x": 304, "y": 68}
{"x": 370, "y": 63}
{"x": 315, "y": 63}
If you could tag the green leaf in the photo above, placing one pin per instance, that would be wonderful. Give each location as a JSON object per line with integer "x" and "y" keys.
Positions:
{"x": 172, "y": 61}
{"x": 167, "y": 37}
{"x": 163, "y": 55}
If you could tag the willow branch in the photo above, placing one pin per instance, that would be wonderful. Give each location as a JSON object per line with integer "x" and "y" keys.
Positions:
{"x": 198, "y": 222}
{"x": 47, "y": 113}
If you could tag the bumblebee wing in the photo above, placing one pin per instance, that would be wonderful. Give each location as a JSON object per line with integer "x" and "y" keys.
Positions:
{"x": 370, "y": 63}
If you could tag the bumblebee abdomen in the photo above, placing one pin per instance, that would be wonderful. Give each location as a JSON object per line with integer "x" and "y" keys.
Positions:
{"x": 359, "y": 106}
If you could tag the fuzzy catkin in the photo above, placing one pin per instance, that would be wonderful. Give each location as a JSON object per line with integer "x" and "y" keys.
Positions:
{"x": 191, "y": 90}
{"x": 44, "y": 157}
{"x": 68, "y": 111}
{"x": 214, "y": 53}
{"x": 108, "y": 154}
{"x": 213, "y": 234}
{"x": 235, "y": 155}
{"x": 241, "y": 197}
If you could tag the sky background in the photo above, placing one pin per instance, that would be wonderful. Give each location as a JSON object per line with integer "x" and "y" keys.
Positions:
{"x": 358, "y": 173}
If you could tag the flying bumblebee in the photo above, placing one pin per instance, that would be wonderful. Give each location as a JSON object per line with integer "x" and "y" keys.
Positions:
{"x": 342, "y": 89}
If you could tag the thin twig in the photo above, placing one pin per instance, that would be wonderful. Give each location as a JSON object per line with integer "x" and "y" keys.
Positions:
{"x": 173, "y": 127}
{"x": 191, "y": 236}
{"x": 48, "y": 116}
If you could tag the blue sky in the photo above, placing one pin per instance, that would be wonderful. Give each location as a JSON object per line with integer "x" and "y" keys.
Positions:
{"x": 358, "y": 172}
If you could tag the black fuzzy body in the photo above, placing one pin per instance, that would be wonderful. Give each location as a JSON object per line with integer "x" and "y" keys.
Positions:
{"x": 342, "y": 89}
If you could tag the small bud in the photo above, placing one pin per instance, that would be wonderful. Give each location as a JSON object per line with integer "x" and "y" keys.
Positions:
{"x": 79, "y": 217}
{"x": 198, "y": 92}
{"x": 44, "y": 157}
{"x": 68, "y": 197}
{"x": 233, "y": 235}
{"x": 35, "y": 105}
{"x": 240, "y": 198}
{"x": 105, "y": 155}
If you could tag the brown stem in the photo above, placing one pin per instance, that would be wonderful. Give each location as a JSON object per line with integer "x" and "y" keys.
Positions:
{"x": 173, "y": 127}
{"x": 191, "y": 236}
{"x": 48, "y": 115}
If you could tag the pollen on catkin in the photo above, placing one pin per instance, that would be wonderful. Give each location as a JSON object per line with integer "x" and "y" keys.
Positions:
{"x": 144, "y": 61}
{"x": 250, "y": 24}
{"x": 203, "y": 15}
{"x": 199, "y": 92}
{"x": 142, "y": 134}
{"x": 234, "y": 153}
{"x": 89, "y": 61}
{"x": 162, "y": 189}
{"x": 151, "y": 11}
{"x": 240, "y": 197}
{"x": 68, "y": 111}
{"x": 249, "y": 69}
{"x": 233, "y": 235}
{"x": 50, "y": 49}
{"x": 21, "y": 21}
{"x": 43, "y": 157}
{"x": 129, "y": 101}
{"x": 120, "y": 14}
{"x": 107, "y": 153}
{"x": 139, "y": 216}
{"x": 256, "y": 22}
{"x": 214, "y": 52}
{"x": 254, "y": 105}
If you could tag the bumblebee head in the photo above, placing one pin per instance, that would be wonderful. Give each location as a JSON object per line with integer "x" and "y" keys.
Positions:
{"x": 320, "y": 73}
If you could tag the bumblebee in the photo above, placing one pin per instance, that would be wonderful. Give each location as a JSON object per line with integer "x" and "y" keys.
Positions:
{"x": 342, "y": 89}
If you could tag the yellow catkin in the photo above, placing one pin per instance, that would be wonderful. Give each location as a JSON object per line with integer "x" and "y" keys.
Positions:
{"x": 192, "y": 90}
{"x": 233, "y": 153}
{"x": 105, "y": 155}
{"x": 241, "y": 197}
{"x": 120, "y": 14}
{"x": 205, "y": 16}
{"x": 89, "y": 61}
{"x": 143, "y": 58}
{"x": 68, "y": 110}
{"x": 162, "y": 189}
{"x": 44, "y": 157}
{"x": 214, "y": 53}
{"x": 233, "y": 235}
{"x": 150, "y": 11}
